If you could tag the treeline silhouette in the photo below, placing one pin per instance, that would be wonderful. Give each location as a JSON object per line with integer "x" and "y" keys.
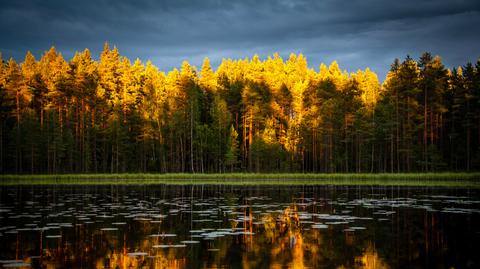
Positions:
{"x": 275, "y": 115}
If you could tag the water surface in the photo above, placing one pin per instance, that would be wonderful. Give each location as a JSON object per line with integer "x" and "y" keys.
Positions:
{"x": 238, "y": 227}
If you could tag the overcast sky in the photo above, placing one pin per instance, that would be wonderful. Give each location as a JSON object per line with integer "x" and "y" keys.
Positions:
{"x": 358, "y": 34}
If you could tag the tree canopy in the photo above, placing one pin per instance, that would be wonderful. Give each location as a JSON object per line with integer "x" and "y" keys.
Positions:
{"x": 271, "y": 115}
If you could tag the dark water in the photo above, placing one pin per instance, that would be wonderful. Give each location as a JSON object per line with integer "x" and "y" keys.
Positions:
{"x": 239, "y": 227}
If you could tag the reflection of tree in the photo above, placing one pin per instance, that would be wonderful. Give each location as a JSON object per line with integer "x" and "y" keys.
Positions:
{"x": 370, "y": 259}
{"x": 159, "y": 261}
{"x": 282, "y": 243}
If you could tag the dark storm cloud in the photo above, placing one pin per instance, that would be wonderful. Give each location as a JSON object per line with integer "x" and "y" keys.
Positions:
{"x": 356, "y": 33}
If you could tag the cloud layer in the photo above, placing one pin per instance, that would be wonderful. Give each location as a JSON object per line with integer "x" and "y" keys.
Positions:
{"x": 358, "y": 34}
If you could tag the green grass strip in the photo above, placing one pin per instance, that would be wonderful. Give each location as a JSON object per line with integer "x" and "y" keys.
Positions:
{"x": 467, "y": 180}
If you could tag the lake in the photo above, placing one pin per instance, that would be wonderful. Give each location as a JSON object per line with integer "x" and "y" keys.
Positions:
{"x": 162, "y": 226}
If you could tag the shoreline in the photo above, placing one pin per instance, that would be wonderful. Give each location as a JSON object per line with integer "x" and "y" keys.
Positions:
{"x": 446, "y": 179}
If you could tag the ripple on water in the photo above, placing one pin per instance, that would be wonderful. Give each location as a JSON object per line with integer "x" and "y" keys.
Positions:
{"x": 137, "y": 254}
{"x": 319, "y": 226}
{"x": 16, "y": 265}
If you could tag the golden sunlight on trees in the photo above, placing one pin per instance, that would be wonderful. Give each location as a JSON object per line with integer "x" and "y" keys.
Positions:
{"x": 117, "y": 115}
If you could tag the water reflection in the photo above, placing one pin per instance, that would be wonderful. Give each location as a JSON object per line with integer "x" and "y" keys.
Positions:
{"x": 238, "y": 227}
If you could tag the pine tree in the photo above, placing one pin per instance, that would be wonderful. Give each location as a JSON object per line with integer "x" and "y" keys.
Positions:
{"x": 231, "y": 157}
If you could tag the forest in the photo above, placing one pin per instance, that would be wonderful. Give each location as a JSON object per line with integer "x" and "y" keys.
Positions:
{"x": 112, "y": 115}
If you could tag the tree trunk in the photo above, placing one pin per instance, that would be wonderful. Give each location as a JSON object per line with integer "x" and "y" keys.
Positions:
{"x": 397, "y": 126}
{"x": 250, "y": 140}
{"x": 330, "y": 151}
{"x": 468, "y": 136}
{"x": 1, "y": 148}
{"x": 31, "y": 158}
{"x": 346, "y": 143}
{"x": 191, "y": 138}
{"x": 244, "y": 138}
{"x": 391, "y": 153}
{"x": 468, "y": 148}
{"x": 425, "y": 165}
{"x": 18, "y": 161}
{"x": 407, "y": 134}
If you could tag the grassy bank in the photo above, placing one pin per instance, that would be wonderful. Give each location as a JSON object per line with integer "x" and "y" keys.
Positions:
{"x": 471, "y": 180}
